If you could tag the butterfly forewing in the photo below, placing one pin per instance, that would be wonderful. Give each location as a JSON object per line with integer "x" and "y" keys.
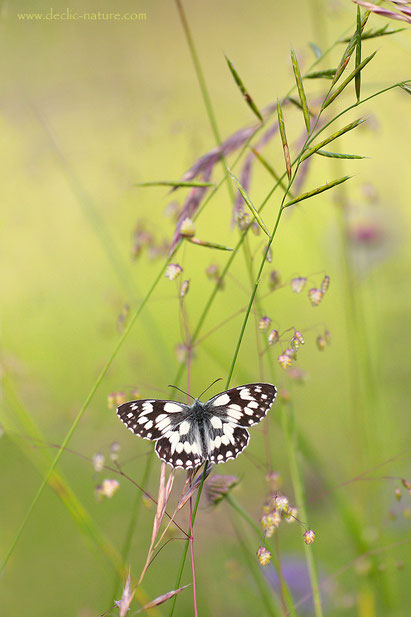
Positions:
{"x": 152, "y": 418}
{"x": 186, "y": 435}
{"x": 244, "y": 405}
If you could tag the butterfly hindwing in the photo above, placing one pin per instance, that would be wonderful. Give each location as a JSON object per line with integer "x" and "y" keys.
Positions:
{"x": 227, "y": 443}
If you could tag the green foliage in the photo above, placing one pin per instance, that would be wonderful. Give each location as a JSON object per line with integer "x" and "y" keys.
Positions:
{"x": 87, "y": 323}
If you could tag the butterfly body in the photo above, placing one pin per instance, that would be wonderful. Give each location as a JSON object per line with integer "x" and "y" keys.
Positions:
{"x": 188, "y": 435}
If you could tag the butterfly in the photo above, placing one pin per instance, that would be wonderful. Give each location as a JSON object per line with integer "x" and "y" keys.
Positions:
{"x": 188, "y": 435}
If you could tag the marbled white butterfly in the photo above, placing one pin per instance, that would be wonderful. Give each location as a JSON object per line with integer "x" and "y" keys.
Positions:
{"x": 188, "y": 435}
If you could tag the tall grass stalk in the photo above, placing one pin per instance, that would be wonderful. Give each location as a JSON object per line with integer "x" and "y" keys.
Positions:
{"x": 288, "y": 421}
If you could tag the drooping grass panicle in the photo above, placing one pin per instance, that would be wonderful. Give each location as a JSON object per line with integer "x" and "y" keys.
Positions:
{"x": 403, "y": 15}
{"x": 249, "y": 203}
{"x": 331, "y": 138}
{"x": 317, "y": 191}
{"x": 301, "y": 92}
{"x": 333, "y": 95}
{"x": 284, "y": 141}
{"x": 243, "y": 90}
{"x": 358, "y": 55}
{"x": 348, "y": 51}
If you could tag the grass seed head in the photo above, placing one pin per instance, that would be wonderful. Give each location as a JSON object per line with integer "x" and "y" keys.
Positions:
{"x": 284, "y": 361}
{"x": 98, "y": 461}
{"x": 296, "y": 340}
{"x": 321, "y": 342}
{"x": 218, "y": 487}
{"x": 273, "y": 337}
{"x": 187, "y": 228}
{"x": 107, "y": 488}
{"x": 264, "y": 556}
{"x": 325, "y": 283}
{"x": 298, "y": 284}
{"x": 275, "y": 279}
{"x": 273, "y": 479}
{"x": 114, "y": 450}
{"x": 173, "y": 271}
{"x": 269, "y": 257}
{"x": 309, "y": 536}
{"x": 315, "y": 296}
{"x": 264, "y": 323}
{"x": 290, "y": 515}
{"x": 185, "y": 286}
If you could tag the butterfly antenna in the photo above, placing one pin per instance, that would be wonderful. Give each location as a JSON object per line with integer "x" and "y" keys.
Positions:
{"x": 211, "y": 384}
{"x": 179, "y": 389}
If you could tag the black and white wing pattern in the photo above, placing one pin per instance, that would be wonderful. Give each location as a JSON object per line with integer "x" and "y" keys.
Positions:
{"x": 216, "y": 431}
{"x": 230, "y": 413}
{"x": 168, "y": 423}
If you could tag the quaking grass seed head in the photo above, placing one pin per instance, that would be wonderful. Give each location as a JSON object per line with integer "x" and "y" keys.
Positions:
{"x": 187, "y": 228}
{"x": 218, "y": 487}
{"x": 309, "y": 536}
{"x": 114, "y": 451}
{"x": 98, "y": 461}
{"x": 107, "y": 488}
{"x": 264, "y": 556}
{"x": 264, "y": 323}
{"x": 298, "y": 284}
{"x": 173, "y": 271}
{"x": 274, "y": 280}
{"x": 284, "y": 360}
{"x": 273, "y": 337}
{"x": 315, "y": 296}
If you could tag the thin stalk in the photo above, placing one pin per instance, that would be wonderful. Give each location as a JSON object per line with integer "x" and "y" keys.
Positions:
{"x": 199, "y": 71}
{"x": 253, "y": 294}
{"x": 135, "y": 512}
{"x": 245, "y": 515}
{"x": 298, "y": 485}
{"x": 193, "y": 572}
{"x": 265, "y": 593}
{"x": 187, "y": 542}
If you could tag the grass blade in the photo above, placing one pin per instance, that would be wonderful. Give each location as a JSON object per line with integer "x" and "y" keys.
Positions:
{"x": 250, "y": 204}
{"x": 286, "y": 150}
{"x": 176, "y": 184}
{"x": 210, "y": 245}
{"x": 243, "y": 90}
{"x": 348, "y": 51}
{"x": 300, "y": 89}
{"x": 326, "y": 74}
{"x": 358, "y": 55}
{"x": 328, "y": 140}
{"x": 317, "y": 191}
{"x": 316, "y": 50}
{"x": 331, "y": 97}
{"x": 373, "y": 33}
{"x": 297, "y": 103}
{"x": 270, "y": 169}
{"x": 406, "y": 86}
{"x": 337, "y": 155}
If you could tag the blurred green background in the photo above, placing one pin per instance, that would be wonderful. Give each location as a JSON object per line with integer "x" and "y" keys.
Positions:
{"x": 88, "y": 109}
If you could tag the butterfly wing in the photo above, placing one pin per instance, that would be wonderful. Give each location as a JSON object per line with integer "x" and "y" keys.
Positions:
{"x": 168, "y": 423}
{"x": 245, "y": 405}
{"x": 152, "y": 419}
{"x": 230, "y": 412}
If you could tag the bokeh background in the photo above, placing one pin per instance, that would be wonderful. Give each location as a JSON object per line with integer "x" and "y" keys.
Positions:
{"x": 89, "y": 109}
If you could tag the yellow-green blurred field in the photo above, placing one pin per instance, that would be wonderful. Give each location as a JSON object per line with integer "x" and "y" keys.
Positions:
{"x": 89, "y": 109}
